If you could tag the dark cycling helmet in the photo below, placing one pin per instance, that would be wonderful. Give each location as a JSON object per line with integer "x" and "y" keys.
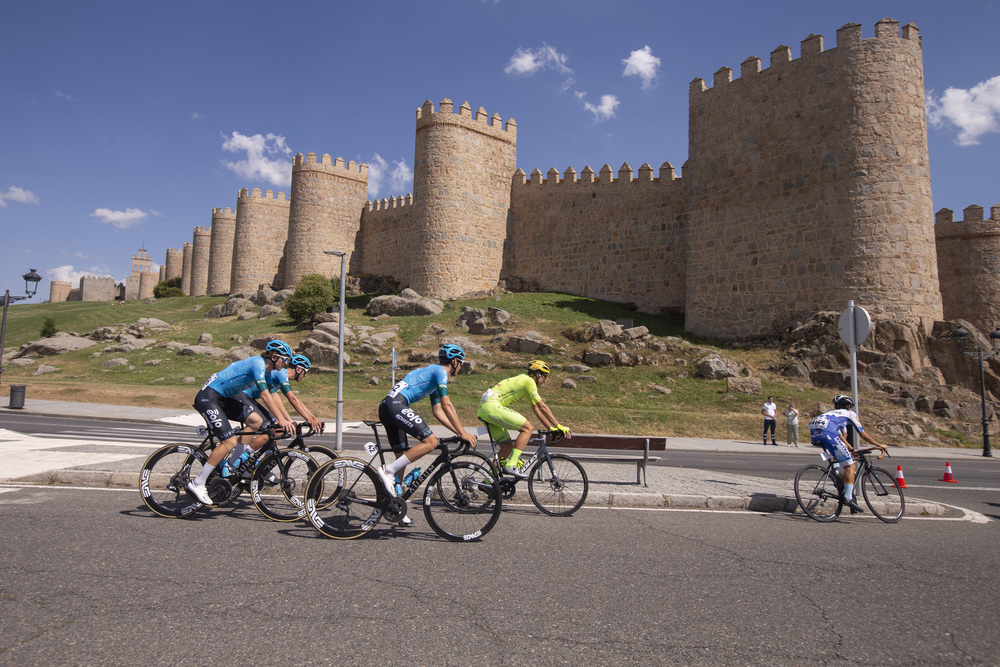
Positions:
{"x": 449, "y": 352}
{"x": 538, "y": 366}
{"x": 301, "y": 361}
{"x": 842, "y": 402}
{"x": 279, "y": 346}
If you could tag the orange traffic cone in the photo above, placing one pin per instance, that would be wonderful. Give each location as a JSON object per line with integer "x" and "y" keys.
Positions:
{"x": 900, "y": 482}
{"x": 947, "y": 475}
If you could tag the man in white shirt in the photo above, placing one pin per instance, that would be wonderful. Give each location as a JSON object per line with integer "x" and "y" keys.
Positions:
{"x": 770, "y": 412}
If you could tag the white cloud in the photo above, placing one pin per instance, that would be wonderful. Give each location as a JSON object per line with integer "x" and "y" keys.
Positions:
{"x": 526, "y": 62}
{"x": 69, "y": 273}
{"x": 602, "y": 111}
{"x": 17, "y": 194}
{"x": 397, "y": 178}
{"x": 65, "y": 96}
{"x": 974, "y": 112}
{"x": 196, "y": 116}
{"x": 643, "y": 64}
{"x": 268, "y": 158}
{"x": 120, "y": 219}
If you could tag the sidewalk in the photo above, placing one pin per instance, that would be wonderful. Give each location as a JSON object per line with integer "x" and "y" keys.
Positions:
{"x": 611, "y": 484}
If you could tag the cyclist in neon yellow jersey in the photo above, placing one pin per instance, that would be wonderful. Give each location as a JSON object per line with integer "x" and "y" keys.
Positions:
{"x": 494, "y": 409}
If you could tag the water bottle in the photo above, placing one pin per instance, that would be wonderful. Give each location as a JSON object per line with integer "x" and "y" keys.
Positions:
{"x": 412, "y": 475}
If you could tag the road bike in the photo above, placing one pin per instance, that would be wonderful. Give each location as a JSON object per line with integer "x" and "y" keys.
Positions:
{"x": 557, "y": 483}
{"x": 345, "y": 498}
{"x": 819, "y": 489}
{"x": 273, "y": 476}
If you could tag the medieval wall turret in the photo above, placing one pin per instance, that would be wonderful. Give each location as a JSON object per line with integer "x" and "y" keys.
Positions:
{"x": 59, "y": 290}
{"x": 261, "y": 232}
{"x": 201, "y": 247}
{"x": 325, "y": 214}
{"x": 809, "y": 185}
{"x": 97, "y": 288}
{"x": 186, "y": 269}
{"x": 968, "y": 254}
{"x": 174, "y": 263}
{"x": 220, "y": 257}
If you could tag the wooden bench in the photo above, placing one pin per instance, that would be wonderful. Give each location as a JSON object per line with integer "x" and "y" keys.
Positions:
{"x": 625, "y": 443}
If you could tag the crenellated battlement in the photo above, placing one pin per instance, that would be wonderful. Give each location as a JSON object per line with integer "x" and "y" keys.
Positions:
{"x": 605, "y": 177}
{"x": 390, "y": 203}
{"x": 848, "y": 38}
{"x": 328, "y": 165}
{"x": 227, "y": 211}
{"x": 267, "y": 196}
{"x": 480, "y": 122}
{"x": 202, "y": 231}
{"x": 972, "y": 224}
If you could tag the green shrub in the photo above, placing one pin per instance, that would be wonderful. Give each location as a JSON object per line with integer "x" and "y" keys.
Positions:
{"x": 48, "y": 328}
{"x": 168, "y": 288}
{"x": 314, "y": 294}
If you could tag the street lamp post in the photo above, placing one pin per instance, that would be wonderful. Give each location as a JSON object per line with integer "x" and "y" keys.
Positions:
{"x": 31, "y": 280}
{"x": 961, "y": 338}
{"x": 342, "y": 316}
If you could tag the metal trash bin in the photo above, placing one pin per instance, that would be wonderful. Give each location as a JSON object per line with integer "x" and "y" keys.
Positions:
{"x": 17, "y": 396}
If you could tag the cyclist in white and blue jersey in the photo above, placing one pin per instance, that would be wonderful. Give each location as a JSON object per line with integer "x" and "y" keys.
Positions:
{"x": 217, "y": 404}
{"x": 829, "y": 430}
{"x": 399, "y": 419}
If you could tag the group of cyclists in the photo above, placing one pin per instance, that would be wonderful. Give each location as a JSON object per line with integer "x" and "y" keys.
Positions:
{"x": 238, "y": 391}
{"x": 233, "y": 393}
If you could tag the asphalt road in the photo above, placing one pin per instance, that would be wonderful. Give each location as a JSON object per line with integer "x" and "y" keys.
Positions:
{"x": 91, "y": 577}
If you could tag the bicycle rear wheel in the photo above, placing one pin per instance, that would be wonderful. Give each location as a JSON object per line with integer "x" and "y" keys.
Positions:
{"x": 817, "y": 493}
{"x": 561, "y": 489}
{"x": 883, "y": 497}
{"x": 460, "y": 505}
{"x": 344, "y": 498}
{"x": 322, "y": 454}
{"x": 278, "y": 484}
{"x": 163, "y": 477}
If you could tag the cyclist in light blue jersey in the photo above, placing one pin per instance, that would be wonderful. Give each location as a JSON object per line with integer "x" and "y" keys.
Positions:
{"x": 217, "y": 404}
{"x": 399, "y": 419}
{"x": 829, "y": 430}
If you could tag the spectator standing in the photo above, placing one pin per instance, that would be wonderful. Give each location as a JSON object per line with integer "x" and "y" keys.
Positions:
{"x": 770, "y": 412}
{"x": 792, "y": 423}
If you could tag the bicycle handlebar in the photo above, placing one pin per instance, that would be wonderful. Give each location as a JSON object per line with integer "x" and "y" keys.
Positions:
{"x": 868, "y": 450}
{"x": 555, "y": 436}
{"x": 463, "y": 445}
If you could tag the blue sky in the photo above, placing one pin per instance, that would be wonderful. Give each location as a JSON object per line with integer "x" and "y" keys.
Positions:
{"x": 122, "y": 124}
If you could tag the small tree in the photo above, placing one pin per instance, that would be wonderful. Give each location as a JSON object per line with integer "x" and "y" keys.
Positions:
{"x": 314, "y": 294}
{"x": 48, "y": 328}
{"x": 167, "y": 288}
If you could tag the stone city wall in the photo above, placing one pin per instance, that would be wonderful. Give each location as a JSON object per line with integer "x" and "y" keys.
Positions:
{"x": 259, "y": 245}
{"x": 968, "y": 254}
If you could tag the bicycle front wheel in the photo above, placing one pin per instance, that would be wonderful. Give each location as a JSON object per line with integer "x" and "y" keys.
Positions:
{"x": 558, "y": 490}
{"x": 278, "y": 484}
{"x": 344, "y": 498}
{"x": 163, "y": 477}
{"x": 883, "y": 497}
{"x": 817, "y": 493}
{"x": 462, "y": 501}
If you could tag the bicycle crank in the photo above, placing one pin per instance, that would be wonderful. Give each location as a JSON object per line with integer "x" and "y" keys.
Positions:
{"x": 219, "y": 490}
{"x": 395, "y": 509}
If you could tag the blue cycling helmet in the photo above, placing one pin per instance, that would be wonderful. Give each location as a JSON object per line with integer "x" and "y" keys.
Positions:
{"x": 301, "y": 361}
{"x": 279, "y": 346}
{"x": 449, "y": 352}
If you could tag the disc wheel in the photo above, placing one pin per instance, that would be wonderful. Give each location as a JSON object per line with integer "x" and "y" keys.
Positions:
{"x": 344, "y": 498}
{"x": 462, "y": 502}
{"x": 817, "y": 493}
{"x": 561, "y": 489}
{"x": 882, "y": 495}
{"x": 164, "y": 476}
{"x": 278, "y": 484}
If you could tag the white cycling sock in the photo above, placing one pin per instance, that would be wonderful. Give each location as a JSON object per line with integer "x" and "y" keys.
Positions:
{"x": 202, "y": 477}
{"x": 397, "y": 465}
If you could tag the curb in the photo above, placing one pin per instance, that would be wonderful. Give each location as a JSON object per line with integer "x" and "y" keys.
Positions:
{"x": 755, "y": 503}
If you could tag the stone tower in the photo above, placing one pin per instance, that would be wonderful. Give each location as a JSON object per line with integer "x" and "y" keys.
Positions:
{"x": 261, "y": 232}
{"x": 809, "y": 185}
{"x": 462, "y": 169}
{"x": 325, "y": 213}
{"x": 201, "y": 245}
{"x": 59, "y": 290}
{"x": 174, "y": 263}
{"x": 186, "y": 269}
{"x": 220, "y": 257}
{"x": 969, "y": 266}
